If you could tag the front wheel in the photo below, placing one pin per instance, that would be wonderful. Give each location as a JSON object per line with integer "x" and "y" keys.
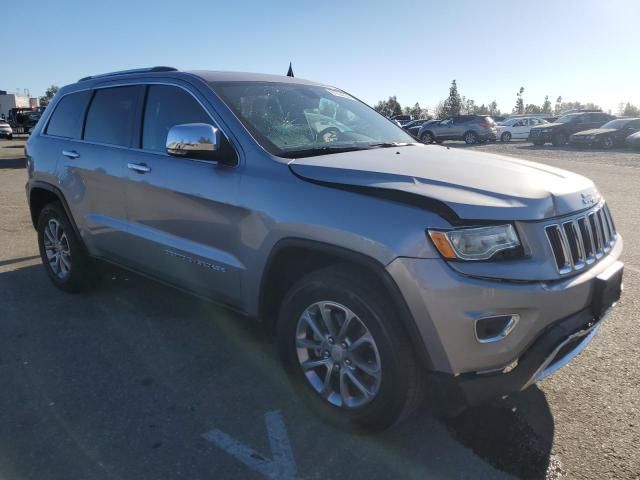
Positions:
{"x": 427, "y": 137}
{"x": 506, "y": 137}
{"x": 340, "y": 342}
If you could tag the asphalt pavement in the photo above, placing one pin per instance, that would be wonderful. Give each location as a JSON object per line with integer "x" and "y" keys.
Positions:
{"x": 133, "y": 380}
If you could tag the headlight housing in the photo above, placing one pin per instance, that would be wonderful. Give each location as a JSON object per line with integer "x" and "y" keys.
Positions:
{"x": 477, "y": 243}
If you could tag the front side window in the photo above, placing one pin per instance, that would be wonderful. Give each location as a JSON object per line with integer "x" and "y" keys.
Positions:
{"x": 298, "y": 120}
{"x": 112, "y": 116}
{"x": 167, "y": 107}
{"x": 66, "y": 120}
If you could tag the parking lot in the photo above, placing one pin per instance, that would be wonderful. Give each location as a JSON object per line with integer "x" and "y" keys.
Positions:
{"x": 136, "y": 380}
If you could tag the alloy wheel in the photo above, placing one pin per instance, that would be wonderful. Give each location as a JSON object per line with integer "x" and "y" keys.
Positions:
{"x": 338, "y": 355}
{"x": 470, "y": 138}
{"x": 56, "y": 247}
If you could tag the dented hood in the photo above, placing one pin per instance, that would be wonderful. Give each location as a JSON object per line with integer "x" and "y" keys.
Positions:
{"x": 474, "y": 185}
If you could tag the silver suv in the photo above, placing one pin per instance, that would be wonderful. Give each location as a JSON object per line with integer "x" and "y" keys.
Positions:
{"x": 471, "y": 129}
{"x": 380, "y": 265}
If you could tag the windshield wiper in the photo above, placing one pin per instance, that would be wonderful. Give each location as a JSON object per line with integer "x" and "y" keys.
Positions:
{"x": 316, "y": 151}
{"x": 390, "y": 144}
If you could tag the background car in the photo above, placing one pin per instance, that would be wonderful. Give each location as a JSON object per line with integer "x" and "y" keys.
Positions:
{"x": 5, "y": 130}
{"x": 611, "y": 134}
{"x": 413, "y": 127}
{"x": 558, "y": 133}
{"x": 469, "y": 128}
{"x": 633, "y": 140}
{"x": 517, "y": 128}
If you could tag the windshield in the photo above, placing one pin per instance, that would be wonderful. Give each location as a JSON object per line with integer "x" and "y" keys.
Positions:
{"x": 298, "y": 120}
{"x": 566, "y": 118}
{"x": 620, "y": 123}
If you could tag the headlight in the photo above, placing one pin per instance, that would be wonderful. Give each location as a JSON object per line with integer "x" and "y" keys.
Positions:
{"x": 478, "y": 243}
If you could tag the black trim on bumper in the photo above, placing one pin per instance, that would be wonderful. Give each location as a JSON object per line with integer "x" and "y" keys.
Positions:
{"x": 476, "y": 388}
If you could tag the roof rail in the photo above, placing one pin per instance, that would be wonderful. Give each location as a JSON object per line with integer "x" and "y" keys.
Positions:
{"x": 125, "y": 72}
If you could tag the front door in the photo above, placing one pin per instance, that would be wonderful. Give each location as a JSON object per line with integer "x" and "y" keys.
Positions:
{"x": 182, "y": 216}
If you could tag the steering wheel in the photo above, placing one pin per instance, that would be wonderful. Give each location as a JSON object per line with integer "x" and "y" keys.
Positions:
{"x": 329, "y": 135}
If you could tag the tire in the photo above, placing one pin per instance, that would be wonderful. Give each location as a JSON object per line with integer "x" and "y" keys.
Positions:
{"x": 559, "y": 139}
{"x": 72, "y": 271}
{"x": 505, "y": 137}
{"x": 394, "y": 382}
{"x": 427, "y": 137}
{"x": 471, "y": 138}
{"x": 607, "y": 142}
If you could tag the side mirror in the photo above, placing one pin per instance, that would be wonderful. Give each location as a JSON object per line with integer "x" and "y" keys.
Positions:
{"x": 199, "y": 141}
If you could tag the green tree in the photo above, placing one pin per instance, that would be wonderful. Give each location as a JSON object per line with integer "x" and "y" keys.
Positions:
{"x": 418, "y": 112}
{"x": 453, "y": 104}
{"x": 546, "y": 106}
{"x": 48, "y": 95}
{"x": 494, "y": 110}
{"x": 533, "y": 108}
{"x": 519, "y": 108}
{"x": 631, "y": 110}
{"x": 558, "y": 108}
{"x": 389, "y": 107}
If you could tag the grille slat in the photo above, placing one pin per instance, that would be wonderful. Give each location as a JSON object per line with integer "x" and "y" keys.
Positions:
{"x": 582, "y": 240}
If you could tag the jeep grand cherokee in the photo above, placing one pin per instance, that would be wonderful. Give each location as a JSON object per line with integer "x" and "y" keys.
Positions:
{"x": 379, "y": 264}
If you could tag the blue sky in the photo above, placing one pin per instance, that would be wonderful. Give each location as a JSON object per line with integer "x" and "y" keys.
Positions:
{"x": 582, "y": 50}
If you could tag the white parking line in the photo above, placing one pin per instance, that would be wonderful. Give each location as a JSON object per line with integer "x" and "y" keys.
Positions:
{"x": 281, "y": 466}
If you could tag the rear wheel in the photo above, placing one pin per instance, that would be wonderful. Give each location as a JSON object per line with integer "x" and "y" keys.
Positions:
{"x": 63, "y": 256}
{"x": 471, "y": 138}
{"x": 506, "y": 137}
{"x": 559, "y": 139}
{"x": 339, "y": 341}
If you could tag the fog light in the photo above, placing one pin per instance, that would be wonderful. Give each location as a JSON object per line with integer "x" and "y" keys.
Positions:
{"x": 494, "y": 329}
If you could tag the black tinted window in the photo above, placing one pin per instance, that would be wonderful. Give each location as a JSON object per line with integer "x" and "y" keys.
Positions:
{"x": 167, "y": 107}
{"x": 111, "y": 117}
{"x": 66, "y": 120}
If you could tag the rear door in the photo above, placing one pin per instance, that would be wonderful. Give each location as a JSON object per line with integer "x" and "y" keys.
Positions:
{"x": 182, "y": 215}
{"x": 92, "y": 170}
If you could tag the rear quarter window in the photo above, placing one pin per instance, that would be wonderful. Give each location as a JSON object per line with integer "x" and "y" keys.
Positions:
{"x": 66, "y": 119}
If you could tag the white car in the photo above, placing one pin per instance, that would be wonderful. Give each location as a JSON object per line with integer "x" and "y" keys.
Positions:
{"x": 5, "y": 130}
{"x": 517, "y": 128}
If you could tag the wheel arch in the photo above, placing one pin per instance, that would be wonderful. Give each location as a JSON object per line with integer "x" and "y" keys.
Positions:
{"x": 292, "y": 258}
{"x": 43, "y": 193}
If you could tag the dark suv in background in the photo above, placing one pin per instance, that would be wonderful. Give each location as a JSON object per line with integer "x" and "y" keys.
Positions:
{"x": 470, "y": 128}
{"x": 558, "y": 132}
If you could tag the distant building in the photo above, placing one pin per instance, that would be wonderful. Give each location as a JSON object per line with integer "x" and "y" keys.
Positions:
{"x": 11, "y": 100}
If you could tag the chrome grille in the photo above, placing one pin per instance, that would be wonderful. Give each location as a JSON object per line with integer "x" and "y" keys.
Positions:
{"x": 582, "y": 240}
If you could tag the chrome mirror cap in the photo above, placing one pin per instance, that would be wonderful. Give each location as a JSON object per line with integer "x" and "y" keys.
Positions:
{"x": 194, "y": 140}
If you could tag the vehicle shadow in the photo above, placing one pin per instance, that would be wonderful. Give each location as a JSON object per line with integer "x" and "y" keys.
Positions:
{"x": 133, "y": 373}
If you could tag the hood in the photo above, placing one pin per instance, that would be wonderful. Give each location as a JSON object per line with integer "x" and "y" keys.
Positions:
{"x": 476, "y": 186}
{"x": 595, "y": 131}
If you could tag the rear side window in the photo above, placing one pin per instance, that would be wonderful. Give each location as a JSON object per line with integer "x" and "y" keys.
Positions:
{"x": 112, "y": 116}
{"x": 167, "y": 107}
{"x": 66, "y": 120}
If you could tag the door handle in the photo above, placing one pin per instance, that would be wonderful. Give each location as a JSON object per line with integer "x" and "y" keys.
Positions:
{"x": 138, "y": 167}
{"x": 70, "y": 154}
